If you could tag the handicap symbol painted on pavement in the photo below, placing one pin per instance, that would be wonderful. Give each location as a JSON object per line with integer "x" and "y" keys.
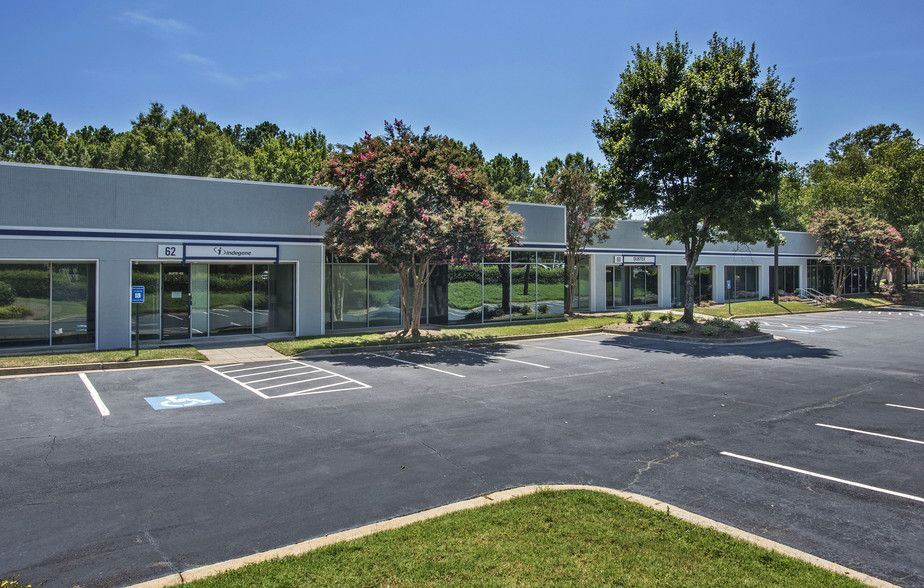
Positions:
{"x": 183, "y": 400}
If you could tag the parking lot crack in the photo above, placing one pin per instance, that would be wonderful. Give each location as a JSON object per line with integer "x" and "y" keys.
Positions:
{"x": 674, "y": 453}
{"x": 50, "y": 449}
{"x": 160, "y": 552}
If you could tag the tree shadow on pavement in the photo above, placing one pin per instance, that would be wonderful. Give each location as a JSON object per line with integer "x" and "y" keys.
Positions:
{"x": 777, "y": 349}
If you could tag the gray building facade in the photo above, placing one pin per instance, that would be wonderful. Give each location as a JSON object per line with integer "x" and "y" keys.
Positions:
{"x": 224, "y": 257}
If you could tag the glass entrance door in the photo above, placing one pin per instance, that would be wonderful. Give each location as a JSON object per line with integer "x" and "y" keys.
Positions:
{"x": 175, "y": 302}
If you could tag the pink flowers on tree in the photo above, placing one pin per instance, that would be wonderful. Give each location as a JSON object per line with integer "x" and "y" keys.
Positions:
{"x": 850, "y": 238}
{"x": 409, "y": 202}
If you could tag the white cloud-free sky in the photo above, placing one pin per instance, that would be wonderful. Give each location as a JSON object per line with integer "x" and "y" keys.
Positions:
{"x": 514, "y": 77}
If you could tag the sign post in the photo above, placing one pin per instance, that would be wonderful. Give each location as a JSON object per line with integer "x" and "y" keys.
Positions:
{"x": 728, "y": 296}
{"x": 137, "y": 300}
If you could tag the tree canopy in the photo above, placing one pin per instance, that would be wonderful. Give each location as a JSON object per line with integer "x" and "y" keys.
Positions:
{"x": 409, "y": 201}
{"x": 878, "y": 170}
{"x": 690, "y": 140}
{"x": 850, "y": 238}
{"x": 574, "y": 184}
{"x": 183, "y": 142}
{"x": 511, "y": 177}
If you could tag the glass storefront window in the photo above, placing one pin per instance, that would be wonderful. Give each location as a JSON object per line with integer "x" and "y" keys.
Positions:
{"x": 45, "y": 304}
{"x": 523, "y": 291}
{"x": 631, "y": 285}
{"x": 702, "y": 284}
{"x": 230, "y": 299}
{"x": 147, "y": 275}
{"x": 346, "y": 296}
{"x": 25, "y": 298}
{"x": 73, "y": 303}
{"x": 496, "y": 292}
{"x": 552, "y": 280}
{"x": 581, "y": 299}
{"x": 523, "y": 256}
{"x": 384, "y": 297}
{"x": 743, "y": 282}
{"x": 199, "y": 304}
{"x": 464, "y": 294}
{"x": 273, "y": 298}
{"x": 789, "y": 280}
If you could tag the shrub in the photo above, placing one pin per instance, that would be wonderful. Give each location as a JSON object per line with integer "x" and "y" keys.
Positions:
{"x": 526, "y": 310}
{"x": 666, "y": 317}
{"x": 657, "y": 325}
{"x": 630, "y": 317}
{"x": 14, "y": 311}
{"x": 680, "y": 327}
{"x": 7, "y": 296}
{"x": 543, "y": 308}
{"x": 710, "y": 329}
{"x": 646, "y": 315}
{"x": 639, "y": 320}
{"x": 754, "y": 326}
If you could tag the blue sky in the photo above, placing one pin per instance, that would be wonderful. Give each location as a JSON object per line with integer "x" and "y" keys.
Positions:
{"x": 514, "y": 77}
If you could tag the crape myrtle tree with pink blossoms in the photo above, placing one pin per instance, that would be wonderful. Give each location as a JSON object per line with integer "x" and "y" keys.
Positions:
{"x": 409, "y": 202}
{"x": 850, "y": 238}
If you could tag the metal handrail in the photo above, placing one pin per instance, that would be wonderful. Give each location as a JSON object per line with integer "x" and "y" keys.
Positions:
{"x": 814, "y": 294}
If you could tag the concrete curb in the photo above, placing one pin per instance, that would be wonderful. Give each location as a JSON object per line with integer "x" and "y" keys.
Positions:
{"x": 441, "y": 343}
{"x": 494, "y": 497}
{"x": 91, "y": 367}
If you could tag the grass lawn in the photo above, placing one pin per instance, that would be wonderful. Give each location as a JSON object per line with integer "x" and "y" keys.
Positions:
{"x": 861, "y": 301}
{"x": 126, "y": 355}
{"x": 757, "y": 307}
{"x": 549, "y": 538}
{"x": 295, "y": 346}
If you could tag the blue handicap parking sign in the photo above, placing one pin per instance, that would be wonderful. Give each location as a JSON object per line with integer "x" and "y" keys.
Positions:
{"x": 183, "y": 400}
{"x": 137, "y": 294}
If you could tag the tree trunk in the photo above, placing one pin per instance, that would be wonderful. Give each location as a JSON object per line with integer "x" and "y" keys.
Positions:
{"x": 404, "y": 290}
{"x": 571, "y": 273}
{"x": 898, "y": 278}
{"x": 689, "y": 294}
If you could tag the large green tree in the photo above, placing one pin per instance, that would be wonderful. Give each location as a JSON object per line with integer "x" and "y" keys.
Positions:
{"x": 574, "y": 184}
{"x": 511, "y": 177}
{"x": 878, "y": 170}
{"x": 409, "y": 201}
{"x": 291, "y": 159}
{"x": 689, "y": 140}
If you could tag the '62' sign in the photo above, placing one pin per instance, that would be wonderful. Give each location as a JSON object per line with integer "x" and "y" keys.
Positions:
{"x": 169, "y": 251}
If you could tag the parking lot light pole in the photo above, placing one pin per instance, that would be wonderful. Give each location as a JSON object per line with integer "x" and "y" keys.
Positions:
{"x": 776, "y": 248}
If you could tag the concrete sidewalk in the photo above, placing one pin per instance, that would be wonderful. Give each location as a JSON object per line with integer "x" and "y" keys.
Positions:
{"x": 241, "y": 354}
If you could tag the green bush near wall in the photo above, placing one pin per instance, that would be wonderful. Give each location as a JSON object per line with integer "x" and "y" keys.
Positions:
{"x": 7, "y": 295}
{"x": 33, "y": 283}
{"x": 493, "y": 275}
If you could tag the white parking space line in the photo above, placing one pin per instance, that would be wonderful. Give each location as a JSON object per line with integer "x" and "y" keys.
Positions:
{"x": 100, "y": 405}
{"x": 870, "y": 433}
{"x": 426, "y": 367}
{"x": 905, "y": 407}
{"x": 249, "y": 369}
{"x": 538, "y": 365}
{"x": 254, "y": 374}
{"x": 295, "y": 369}
{"x": 571, "y": 352}
{"x": 824, "y": 477}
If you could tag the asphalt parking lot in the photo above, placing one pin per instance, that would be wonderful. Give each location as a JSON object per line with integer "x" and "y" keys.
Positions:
{"x": 815, "y": 441}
